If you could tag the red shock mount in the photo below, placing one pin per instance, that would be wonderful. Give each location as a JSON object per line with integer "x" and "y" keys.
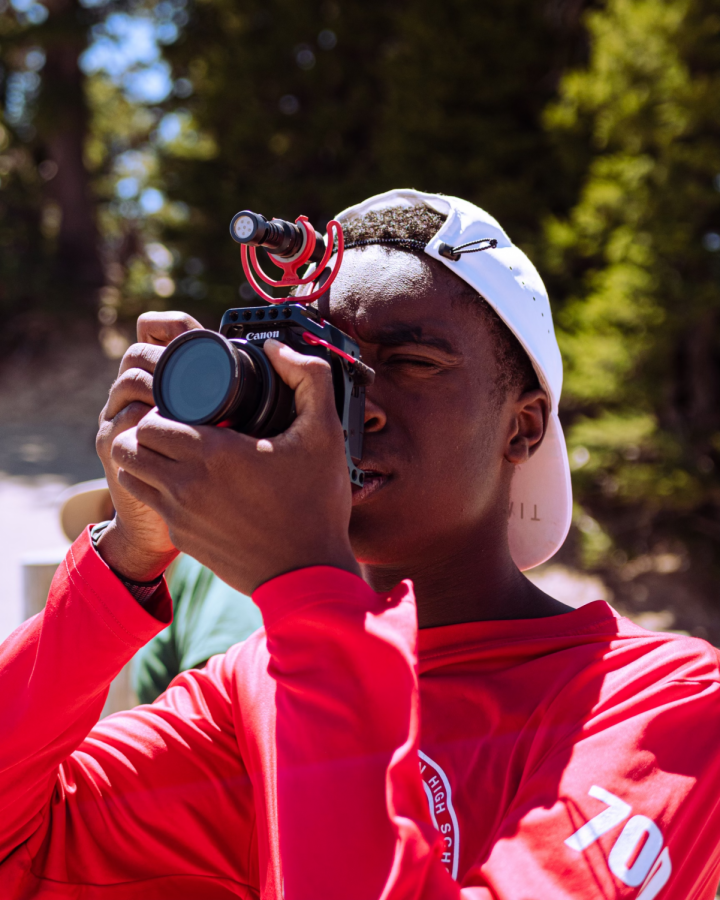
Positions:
{"x": 290, "y": 277}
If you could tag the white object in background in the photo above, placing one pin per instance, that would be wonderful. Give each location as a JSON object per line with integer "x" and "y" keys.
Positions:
{"x": 28, "y": 519}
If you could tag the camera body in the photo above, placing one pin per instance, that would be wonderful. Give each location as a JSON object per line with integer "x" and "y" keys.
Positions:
{"x": 287, "y": 323}
{"x": 224, "y": 378}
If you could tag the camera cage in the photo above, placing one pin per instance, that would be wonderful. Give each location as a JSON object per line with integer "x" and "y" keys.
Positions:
{"x": 301, "y": 328}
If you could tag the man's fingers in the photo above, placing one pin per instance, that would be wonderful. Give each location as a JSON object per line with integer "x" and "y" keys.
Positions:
{"x": 141, "y": 491}
{"x": 182, "y": 442}
{"x": 174, "y": 440}
{"x": 161, "y": 327}
{"x": 148, "y": 466}
{"x": 133, "y": 386}
{"x": 308, "y": 376}
{"x": 141, "y": 356}
{"x": 110, "y": 428}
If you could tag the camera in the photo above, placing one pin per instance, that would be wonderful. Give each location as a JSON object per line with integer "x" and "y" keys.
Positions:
{"x": 224, "y": 378}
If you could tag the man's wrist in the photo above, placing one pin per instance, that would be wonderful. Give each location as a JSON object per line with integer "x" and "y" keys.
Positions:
{"x": 128, "y": 559}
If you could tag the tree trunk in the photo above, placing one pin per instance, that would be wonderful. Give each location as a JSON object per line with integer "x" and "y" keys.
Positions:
{"x": 62, "y": 122}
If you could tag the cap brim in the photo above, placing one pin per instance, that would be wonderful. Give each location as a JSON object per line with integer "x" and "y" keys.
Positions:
{"x": 84, "y": 504}
{"x": 541, "y": 501}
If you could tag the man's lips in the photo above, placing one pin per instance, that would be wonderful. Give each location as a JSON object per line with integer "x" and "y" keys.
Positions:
{"x": 374, "y": 481}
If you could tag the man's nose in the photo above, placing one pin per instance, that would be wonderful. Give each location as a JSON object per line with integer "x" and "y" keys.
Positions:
{"x": 375, "y": 417}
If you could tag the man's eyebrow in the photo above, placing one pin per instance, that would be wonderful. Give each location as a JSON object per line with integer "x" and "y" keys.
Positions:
{"x": 396, "y": 335}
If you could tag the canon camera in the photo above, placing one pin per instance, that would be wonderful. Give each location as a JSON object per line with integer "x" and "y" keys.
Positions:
{"x": 225, "y": 378}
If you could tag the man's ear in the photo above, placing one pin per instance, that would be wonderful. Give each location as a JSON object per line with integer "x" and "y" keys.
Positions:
{"x": 527, "y": 426}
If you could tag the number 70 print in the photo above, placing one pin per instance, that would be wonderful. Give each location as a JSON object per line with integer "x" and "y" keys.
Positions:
{"x": 651, "y": 869}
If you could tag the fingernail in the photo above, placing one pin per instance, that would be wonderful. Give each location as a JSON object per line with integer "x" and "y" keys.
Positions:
{"x": 273, "y": 342}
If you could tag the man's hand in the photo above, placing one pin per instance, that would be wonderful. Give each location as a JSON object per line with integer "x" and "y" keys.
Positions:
{"x": 249, "y": 509}
{"x": 137, "y": 543}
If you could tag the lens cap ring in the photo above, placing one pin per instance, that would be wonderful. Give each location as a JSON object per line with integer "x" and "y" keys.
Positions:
{"x": 178, "y": 392}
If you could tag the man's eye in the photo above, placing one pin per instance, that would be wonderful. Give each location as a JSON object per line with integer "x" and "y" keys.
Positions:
{"x": 413, "y": 362}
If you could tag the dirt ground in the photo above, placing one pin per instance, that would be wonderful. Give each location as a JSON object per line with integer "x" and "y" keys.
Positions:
{"x": 49, "y": 403}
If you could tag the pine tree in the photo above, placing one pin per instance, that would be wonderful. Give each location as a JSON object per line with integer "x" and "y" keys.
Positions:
{"x": 50, "y": 254}
{"x": 638, "y": 261}
{"x": 309, "y": 108}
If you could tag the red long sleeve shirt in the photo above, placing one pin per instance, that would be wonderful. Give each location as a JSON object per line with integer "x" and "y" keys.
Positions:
{"x": 340, "y": 754}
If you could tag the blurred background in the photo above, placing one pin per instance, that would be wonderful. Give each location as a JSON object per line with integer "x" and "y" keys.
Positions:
{"x": 132, "y": 130}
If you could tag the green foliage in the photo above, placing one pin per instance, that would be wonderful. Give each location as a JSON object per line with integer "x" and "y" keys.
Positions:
{"x": 309, "y": 108}
{"x": 637, "y": 262}
{"x": 285, "y": 108}
{"x": 22, "y": 250}
{"x": 23, "y": 253}
{"x": 49, "y": 249}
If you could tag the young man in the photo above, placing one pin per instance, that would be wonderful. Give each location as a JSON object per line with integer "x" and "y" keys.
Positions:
{"x": 511, "y": 748}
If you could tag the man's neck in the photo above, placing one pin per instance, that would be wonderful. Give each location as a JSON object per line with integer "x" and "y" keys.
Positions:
{"x": 470, "y": 580}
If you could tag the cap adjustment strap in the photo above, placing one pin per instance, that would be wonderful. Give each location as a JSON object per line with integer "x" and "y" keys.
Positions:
{"x": 454, "y": 253}
{"x": 443, "y": 249}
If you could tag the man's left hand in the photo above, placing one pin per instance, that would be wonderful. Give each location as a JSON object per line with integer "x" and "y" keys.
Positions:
{"x": 250, "y": 509}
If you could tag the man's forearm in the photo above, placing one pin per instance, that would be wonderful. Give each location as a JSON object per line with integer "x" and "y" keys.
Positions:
{"x": 352, "y": 816}
{"x": 54, "y": 674}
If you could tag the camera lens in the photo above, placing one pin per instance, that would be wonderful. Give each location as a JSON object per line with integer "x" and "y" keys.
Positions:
{"x": 203, "y": 378}
{"x": 196, "y": 380}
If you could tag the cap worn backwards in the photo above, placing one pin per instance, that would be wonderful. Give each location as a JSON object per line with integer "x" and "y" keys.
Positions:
{"x": 541, "y": 494}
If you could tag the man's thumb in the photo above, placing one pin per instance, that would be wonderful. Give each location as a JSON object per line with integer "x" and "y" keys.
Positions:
{"x": 309, "y": 376}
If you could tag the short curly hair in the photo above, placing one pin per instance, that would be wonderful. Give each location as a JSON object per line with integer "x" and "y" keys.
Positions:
{"x": 409, "y": 229}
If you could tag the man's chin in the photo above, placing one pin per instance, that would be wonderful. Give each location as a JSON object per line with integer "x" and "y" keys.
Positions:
{"x": 378, "y": 535}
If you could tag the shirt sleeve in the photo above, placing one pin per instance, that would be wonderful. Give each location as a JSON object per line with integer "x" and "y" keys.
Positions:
{"x": 133, "y": 798}
{"x": 352, "y": 817}
{"x": 624, "y": 807}
{"x": 156, "y": 664}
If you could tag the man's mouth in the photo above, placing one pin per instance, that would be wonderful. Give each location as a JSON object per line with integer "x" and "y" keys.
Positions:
{"x": 373, "y": 482}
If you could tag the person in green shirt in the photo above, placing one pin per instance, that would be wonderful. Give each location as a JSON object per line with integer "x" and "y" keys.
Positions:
{"x": 208, "y": 616}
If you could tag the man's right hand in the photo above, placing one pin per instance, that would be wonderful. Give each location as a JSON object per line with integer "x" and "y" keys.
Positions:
{"x": 137, "y": 543}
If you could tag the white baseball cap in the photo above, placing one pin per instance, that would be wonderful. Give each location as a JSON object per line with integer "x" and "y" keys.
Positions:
{"x": 541, "y": 493}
